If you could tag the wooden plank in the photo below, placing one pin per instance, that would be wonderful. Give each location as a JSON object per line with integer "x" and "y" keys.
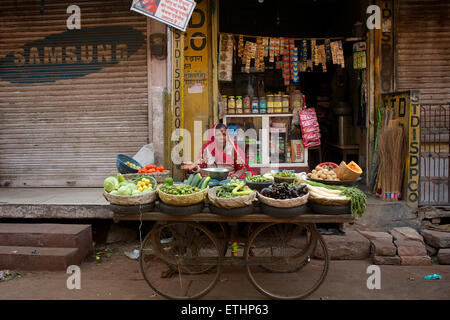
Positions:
{"x": 209, "y": 217}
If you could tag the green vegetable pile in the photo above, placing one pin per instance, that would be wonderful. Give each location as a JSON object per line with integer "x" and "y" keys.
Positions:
{"x": 285, "y": 174}
{"x": 258, "y": 178}
{"x": 357, "y": 197}
{"x": 122, "y": 187}
{"x": 179, "y": 189}
{"x": 234, "y": 188}
{"x": 196, "y": 180}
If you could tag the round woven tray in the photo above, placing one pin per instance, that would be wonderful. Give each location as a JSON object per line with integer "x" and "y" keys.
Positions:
{"x": 144, "y": 198}
{"x": 235, "y": 212}
{"x": 230, "y": 203}
{"x": 323, "y": 209}
{"x": 183, "y": 200}
{"x": 284, "y": 212}
{"x": 177, "y": 211}
{"x": 285, "y": 203}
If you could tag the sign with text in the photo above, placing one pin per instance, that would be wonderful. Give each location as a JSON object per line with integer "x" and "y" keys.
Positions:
{"x": 175, "y": 13}
{"x": 406, "y": 106}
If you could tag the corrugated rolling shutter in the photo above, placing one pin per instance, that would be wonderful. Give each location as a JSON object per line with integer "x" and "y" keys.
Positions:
{"x": 423, "y": 49}
{"x": 66, "y": 116}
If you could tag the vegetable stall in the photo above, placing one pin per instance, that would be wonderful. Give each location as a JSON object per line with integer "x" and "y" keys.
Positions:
{"x": 195, "y": 232}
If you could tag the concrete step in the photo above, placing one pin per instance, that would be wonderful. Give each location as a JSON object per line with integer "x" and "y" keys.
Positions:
{"x": 47, "y": 235}
{"x": 55, "y": 246}
{"x": 38, "y": 258}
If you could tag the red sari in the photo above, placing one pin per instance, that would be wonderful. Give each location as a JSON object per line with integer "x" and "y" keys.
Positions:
{"x": 236, "y": 157}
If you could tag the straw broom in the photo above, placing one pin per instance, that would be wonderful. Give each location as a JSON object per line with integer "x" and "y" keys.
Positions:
{"x": 392, "y": 160}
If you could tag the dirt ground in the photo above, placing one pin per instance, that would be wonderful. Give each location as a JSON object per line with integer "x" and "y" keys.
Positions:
{"x": 115, "y": 276}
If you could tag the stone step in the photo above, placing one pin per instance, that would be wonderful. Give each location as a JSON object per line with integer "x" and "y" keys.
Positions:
{"x": 47, "y": 235}
{"x": 38, "y": 258}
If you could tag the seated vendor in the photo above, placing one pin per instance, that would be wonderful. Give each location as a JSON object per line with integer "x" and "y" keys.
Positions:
{"x": 220, "y": 152}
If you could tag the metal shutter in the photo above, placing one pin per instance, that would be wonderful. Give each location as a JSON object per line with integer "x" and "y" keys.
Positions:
{"x": 68, "y": 132}
{"x": 423, "y": 49}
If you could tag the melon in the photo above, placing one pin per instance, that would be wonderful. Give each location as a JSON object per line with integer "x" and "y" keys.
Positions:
{"x": 349, "y": 171}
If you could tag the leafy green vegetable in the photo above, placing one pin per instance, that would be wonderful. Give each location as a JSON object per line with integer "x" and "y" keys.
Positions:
{"x": 168, "y": 181}
{"x": 110, "y": 184}
{"x": 286, "y": 174}
{"x": 125, "y": 190}
{"x": 120, "y": 178}
{"x": 179, "y": 189}
{"x": 258, "y": 178}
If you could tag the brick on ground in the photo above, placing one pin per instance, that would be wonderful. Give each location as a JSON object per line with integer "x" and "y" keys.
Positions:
{"x": 406, "y": 233}
{"x": 410, "y": 248}
{"x": 384, "y": 248}
{"x": 444, "y": 256}
{"x": 383, "y": 260}
{"x": 416, "y": 260}
{"x": 375, "y": 235}
{"x": 352, "y": 246}
{"x": 436, "y": 239}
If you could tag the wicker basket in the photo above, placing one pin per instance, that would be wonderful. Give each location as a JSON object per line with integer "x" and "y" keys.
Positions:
{"x": 284, "y": 203}
{"x": 144, "y": 198}
{"x": 278, "y": 179}
{"x": 183, "y": 200}
{"x": 159, "y": 176}
{"x": 230, "y": 203}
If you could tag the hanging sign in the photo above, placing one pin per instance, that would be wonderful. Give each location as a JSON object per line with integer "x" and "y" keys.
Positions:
{"x": 175, "y": 13}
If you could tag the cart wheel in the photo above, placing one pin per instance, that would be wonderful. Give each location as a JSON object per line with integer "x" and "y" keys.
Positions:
{"x": 286, "y": 248}
{"x": 293, "y": 237}
{"x": 180, "y": 260}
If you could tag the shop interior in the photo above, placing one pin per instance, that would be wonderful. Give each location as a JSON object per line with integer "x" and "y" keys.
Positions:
{"x": 267, "y": 88}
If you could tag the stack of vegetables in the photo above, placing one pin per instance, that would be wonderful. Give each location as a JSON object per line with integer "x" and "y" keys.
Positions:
{"x": 196, "y": 180}
{"x": 259, "y": 179}
{"x": 333, "y": 195}
{"x": 186, "y": 194}
{"x": 234, "y": 188}
{"x": 151, "y": 168}
{"x": 120, "y": 186}
{"x": 284, "y": 190}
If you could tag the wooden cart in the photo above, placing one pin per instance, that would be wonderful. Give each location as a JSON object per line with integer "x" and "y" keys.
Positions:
{"x": 182, "y": 256}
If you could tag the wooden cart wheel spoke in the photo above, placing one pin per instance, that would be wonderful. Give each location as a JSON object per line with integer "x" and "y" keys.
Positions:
{"x": 289, "y": 258}
{"x": 178, "y": 269}
{"x": 284, "y": 247}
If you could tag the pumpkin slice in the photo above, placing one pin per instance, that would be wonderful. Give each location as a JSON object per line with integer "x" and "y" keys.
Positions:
{"x": 353, "y": 166}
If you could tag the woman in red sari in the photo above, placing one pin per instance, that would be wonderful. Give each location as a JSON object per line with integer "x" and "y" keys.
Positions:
{"x": 220, "y": 152}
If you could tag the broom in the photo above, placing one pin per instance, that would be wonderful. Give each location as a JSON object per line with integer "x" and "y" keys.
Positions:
{"x": 392, "y": 160}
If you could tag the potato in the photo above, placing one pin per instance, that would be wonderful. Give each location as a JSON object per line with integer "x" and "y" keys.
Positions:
{"x": 318, "y": 168}
{"x": 309, "y": 175}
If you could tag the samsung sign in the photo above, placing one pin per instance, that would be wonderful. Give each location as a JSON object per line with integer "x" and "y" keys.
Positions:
{"x": 70, "y": 54}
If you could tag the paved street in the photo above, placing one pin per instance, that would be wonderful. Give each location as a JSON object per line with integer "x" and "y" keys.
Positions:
{"x": 118, "y": 277}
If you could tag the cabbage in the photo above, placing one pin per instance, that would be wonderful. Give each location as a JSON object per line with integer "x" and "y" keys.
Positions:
{"x": 135, "y": 192}
{"x": 125, "y": 191}
{"x": 114, "y": 192}
{"x": 120, "y": 178}
{"x": 132, "y": 186}
{"x": 110, "y": 184}
{"x": 123, "y": 183}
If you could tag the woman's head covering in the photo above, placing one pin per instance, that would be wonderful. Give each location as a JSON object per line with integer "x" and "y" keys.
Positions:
{"x": 236, "y": 158}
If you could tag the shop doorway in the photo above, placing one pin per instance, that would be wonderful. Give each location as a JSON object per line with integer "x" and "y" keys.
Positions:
{"x": 334, "y": 84}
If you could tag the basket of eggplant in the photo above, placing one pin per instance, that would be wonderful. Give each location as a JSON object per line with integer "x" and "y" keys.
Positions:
{"x": 284, "y": 199}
